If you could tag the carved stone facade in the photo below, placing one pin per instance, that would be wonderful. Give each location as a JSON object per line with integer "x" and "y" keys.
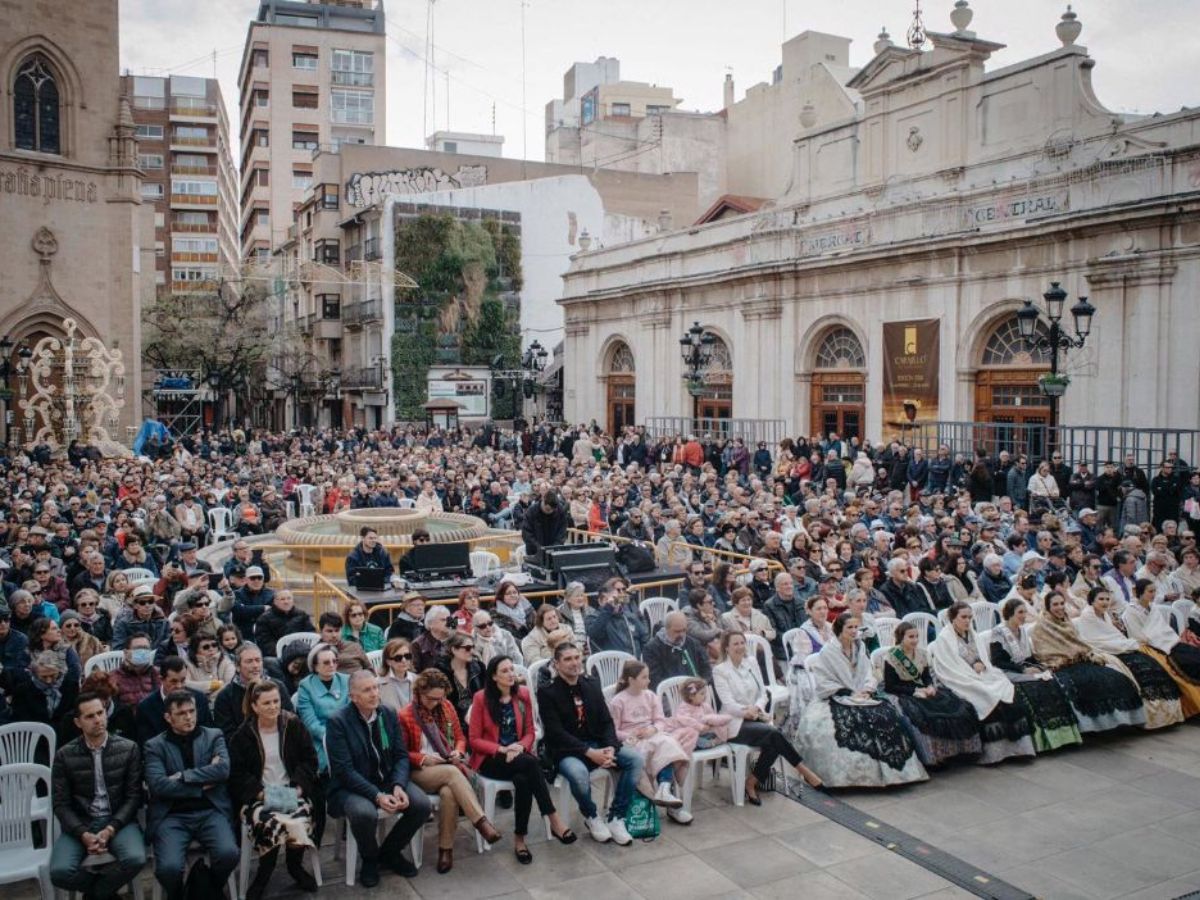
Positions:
{"x": 953, "y": 193}
{"x": 76, "y": 240}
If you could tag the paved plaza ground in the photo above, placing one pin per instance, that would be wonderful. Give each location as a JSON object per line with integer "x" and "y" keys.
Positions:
{"x": 1118, "y": 817}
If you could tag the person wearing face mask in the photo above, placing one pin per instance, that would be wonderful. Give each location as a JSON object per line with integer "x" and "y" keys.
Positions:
{"x": 135, "y": 678}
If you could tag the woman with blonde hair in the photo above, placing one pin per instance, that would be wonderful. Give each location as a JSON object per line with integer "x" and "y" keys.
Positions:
{"x": 395, "y": 675}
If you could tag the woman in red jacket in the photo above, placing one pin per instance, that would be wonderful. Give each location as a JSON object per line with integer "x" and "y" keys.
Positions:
{"x": 502, "y": 748}
{"x": 437, "y": 755}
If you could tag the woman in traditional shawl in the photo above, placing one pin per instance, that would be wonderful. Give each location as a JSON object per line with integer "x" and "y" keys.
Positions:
{"x": 848, "y": 736}
{"x": 1004, "y": 725}
{"x": 1010, "y": 651}
{"x": 941, "y": 724}
{"x": 1103, "y": 693}
{"x": 1160, "y": 693}
{"x": 814, "y": 633}
{"x": 1149, "y": 627}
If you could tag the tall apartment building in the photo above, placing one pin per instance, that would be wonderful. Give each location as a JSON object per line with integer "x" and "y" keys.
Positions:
{"x": 184, "y": 151}
{"x": 311, "y": 77}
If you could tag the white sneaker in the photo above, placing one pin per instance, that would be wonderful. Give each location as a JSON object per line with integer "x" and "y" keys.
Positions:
{"x": 680, "y": 816}
{"x": 664, "y": 796}
{"x": 599, "y": 831}
{"x": 620, "y": 836}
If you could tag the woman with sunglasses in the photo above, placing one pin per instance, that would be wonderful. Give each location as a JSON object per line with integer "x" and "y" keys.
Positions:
{"x": 491, "y": 640}
{"x": 464, "y": 672}
{"x": 46, "y": 636}
{"x": 208, "y": 669}
{"x": 395, "y": 675}
{"x": 92, "y": 619}
{"x": 75, "y": 636}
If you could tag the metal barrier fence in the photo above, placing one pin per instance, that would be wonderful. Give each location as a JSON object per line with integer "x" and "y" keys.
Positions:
{"x": 1091, "y": 443}
{"x": 710, "y": 555}
{"x": 751, "y": 430}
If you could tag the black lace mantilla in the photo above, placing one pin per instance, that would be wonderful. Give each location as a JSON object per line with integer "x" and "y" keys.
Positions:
{"x": 873, "y": 730}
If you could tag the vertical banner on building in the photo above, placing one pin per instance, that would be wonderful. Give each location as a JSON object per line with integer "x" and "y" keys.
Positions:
{"x": 910, "y": 371}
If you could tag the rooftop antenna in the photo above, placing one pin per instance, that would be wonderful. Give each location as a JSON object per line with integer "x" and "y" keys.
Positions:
{"x": 916, "y": 31}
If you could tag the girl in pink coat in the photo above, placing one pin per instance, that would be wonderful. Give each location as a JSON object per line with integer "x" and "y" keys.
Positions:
{"x": 694, "y": 716}
{"x": 637, "y": 715}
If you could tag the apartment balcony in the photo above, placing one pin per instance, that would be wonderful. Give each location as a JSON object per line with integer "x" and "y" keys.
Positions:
{"x": 202, "y": 110}
{"x": 194, "y": 227}
{"x": 372, "y": 250}
{"x": 204, "y": 143}
{"x": 201, "y": 200}
{"x": 194, "y": 258}
{"x": 356, "y": 315}
{"x": 353, "y": 79}
{"x": 369, "y": 378}
{"x": 363, "y": 117}
{"x": 177, "y": 169}
{"x": 354, "y": 253}
{"x": 194, "y": 287}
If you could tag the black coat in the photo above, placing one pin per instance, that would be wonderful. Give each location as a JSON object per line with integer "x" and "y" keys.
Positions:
{"x": 73, "y": 783}
{"x": 246, "y": 759}
{"x": 149, "y": 715}
{"x": 227, "y": 707}
{"x": 667, "y": 661}
{"x": 565, "y": 735}
{"x": 29, "y": 704}
{"x": 542, "y": 530}
{"x": 273, "y": 624}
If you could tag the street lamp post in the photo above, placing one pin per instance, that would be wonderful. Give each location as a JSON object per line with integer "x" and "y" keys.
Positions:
{"x": 214, "y": 382}
{"x": 1055, "y": 340}
{"x": 696, "y": 349}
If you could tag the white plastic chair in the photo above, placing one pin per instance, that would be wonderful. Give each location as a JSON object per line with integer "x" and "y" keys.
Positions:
{"x": 19, "y": 743}
{"x": 1184, "y": 610}
{"x": 375, "y": 658}
{"x": 877, "y": 662}
{"x": 789, "y": 644}
{"x": 305, "y": 492}
{"x": 306, "y": 639}
{"x": 484, "y": 562}
{"x": 983, "y": 640}
{"x": 531, "y": 679}
{"x": 924, "y": 621}
{"x": 108, "y": 661}
{"x": 668, "y": 692}
{"x": 248, "y": 854}
{"x": 137, "y": 575}
{"x": 985, "y": 615}
{"x": 885, "y": 630}
{"x": 407, "y": 503}
{"x": 516, "y": 559}
{"x": 761, "y": 648}
{"x": 289, "y": 507}
{"x": 655, "y": 609}
{"x": 219, "y": 520}
{"x": 605, "y": 665}
{"x": 20, "y": 860}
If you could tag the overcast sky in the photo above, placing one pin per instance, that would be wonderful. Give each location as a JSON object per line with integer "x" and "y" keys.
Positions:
{"x": 1144, "y": 56}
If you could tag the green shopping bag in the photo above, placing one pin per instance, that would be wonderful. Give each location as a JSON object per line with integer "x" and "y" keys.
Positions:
{"x": 641, "y": 820}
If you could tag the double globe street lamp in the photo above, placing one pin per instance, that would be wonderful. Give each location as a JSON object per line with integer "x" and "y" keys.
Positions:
{"x": 1055, "y": 339}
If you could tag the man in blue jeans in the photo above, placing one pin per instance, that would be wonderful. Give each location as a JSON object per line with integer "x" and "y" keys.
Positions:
{"x": 580, "y": 738}
{"x": 187, "y": 770}
{"x": 97, "y": 790}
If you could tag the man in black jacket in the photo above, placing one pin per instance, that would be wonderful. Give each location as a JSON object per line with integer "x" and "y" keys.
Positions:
{"x": 369, "y": 763}
{"x": 369, "y": 554}
{"x": 785, "y": 610}
{"x": 545, "y": 524}
{"x": 172, "y": 672}
{"x": 227, "y": 707}
{"x": 673, "y": 652}
{"x": 580, "y": 738}
{"x": 97, "y": 791}
{"x": 900, "y": 592}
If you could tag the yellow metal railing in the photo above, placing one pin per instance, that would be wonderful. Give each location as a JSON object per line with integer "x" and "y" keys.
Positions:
{"x": 741, "y": 560}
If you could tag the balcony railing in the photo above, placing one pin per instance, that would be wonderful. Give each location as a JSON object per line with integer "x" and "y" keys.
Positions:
{"x": 355, "y": 315}
{"x": 353, "y": 79}
{"x": 194, "y": 227}
{"x": 354, "y": 253}
{"x": 193, "y": 170}
{"x": 199, "y": 109}
{"x": 352, "y": 116}
{"x": 201, "y": 199}
{"x": 369, "y": 378}
{"x": 207, "y": 141}
{"x": 371, "y": 249}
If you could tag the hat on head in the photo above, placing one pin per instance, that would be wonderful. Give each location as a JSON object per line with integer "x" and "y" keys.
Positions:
{"x": 67, "y": 616}
{"x": 1032, "y": 556}
{"x": 185, "y": 546}
{"x": 38, "y": 529}
{"x": 1086, "y": 511}
{"x": 237, "y": 570}
{"x": 254, "y": 572}
{"x": 829, "y": 576}
{"x": 142, "y": 590}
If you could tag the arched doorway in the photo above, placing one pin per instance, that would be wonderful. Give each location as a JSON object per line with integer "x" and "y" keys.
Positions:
{"x": 1007, "y": 392}
{"x": 839, "y": 385}
{"x": 620, "y": 374}
{"x": 715, "y": 402}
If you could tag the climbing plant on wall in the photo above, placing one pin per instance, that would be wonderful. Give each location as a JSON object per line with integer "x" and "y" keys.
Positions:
{"x": 466, "y": 308}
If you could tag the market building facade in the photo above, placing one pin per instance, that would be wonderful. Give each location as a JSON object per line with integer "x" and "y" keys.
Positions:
{"x": 910, "y": 235}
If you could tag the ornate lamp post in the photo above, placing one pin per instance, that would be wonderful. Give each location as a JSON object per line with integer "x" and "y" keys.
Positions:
{"x": 214, "y": 383}
{"x": 1056, "y": 339}
{"x": 7, "y": 370}
{"x": 696, "y": 349}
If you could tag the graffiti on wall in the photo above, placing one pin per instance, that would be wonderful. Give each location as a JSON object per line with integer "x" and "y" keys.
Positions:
{"x": 367, "y": 188}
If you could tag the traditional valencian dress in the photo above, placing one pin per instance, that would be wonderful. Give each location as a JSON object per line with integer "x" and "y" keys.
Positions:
{"x": 848, "y": 743}
{"x": 1103, "y": 693}
{"x": 1160, "y": 694}
{"x": 1004, "y": 725}
{"x": 941, "y": 726}
{"x": 1049, "y": 707}
{"x": 1159, "y": 641}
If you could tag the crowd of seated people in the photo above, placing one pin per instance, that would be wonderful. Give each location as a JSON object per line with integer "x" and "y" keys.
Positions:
{"x": 1035, "y": 618}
